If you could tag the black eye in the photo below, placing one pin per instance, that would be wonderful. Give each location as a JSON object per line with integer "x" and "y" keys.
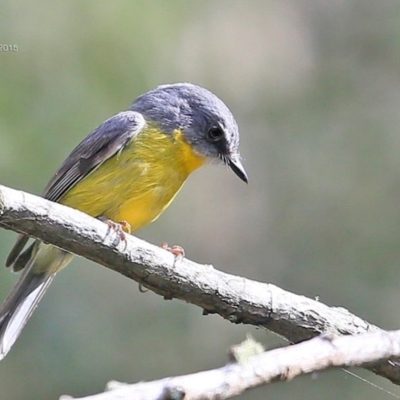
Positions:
{"x": 215, "y": 134}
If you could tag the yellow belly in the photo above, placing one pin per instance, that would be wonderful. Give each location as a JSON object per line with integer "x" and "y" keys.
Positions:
{"x": 140, "y": 183}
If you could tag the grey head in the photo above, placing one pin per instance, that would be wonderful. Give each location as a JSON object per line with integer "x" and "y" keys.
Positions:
{"x": 206, "y": 122}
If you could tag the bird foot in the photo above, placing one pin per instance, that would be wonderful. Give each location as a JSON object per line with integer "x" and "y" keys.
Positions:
{"x": 120, "y": 228}
{"x": 176, "y": 250}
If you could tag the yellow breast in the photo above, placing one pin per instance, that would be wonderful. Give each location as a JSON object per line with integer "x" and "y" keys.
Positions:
{"x": 138, "y": 184}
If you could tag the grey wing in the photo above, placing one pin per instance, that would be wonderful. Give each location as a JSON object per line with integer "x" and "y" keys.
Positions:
{"x": 105, "y": 141}
{"x": 108, "y": 139}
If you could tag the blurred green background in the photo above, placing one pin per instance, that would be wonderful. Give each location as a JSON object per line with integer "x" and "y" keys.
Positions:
{"x": 315, "y": 88}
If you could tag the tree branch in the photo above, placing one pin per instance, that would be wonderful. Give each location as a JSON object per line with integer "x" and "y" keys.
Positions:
{"x": 276, "y": 365}
{"x": 236, "y": 299}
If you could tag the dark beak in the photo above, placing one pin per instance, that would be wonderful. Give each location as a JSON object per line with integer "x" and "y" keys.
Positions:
{"x": 237, "y": 167}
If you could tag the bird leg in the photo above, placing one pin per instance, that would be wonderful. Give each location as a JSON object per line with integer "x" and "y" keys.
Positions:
{"x": 176, "y": 250}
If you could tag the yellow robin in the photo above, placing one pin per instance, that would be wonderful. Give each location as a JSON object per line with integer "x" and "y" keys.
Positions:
{"x": 127, "y": 170}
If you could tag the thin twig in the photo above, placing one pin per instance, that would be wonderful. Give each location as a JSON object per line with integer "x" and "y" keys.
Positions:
{"x": 272, "y": 366}
{"x": 236, "y": 299}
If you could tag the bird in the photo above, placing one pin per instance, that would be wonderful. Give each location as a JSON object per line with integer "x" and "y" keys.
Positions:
{"x": 126, "y": 172}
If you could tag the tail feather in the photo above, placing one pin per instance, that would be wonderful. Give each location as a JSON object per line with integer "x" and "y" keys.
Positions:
{"x": 19, "y": 245}
{"x": 22, "y": 260}
{"x": 19, "y": 306}
{"x": 40, "y": 263}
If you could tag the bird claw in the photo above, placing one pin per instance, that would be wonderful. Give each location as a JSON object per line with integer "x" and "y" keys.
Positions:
{"x": 120, "y": 228}
{"x": 176, "y": 250}
{"x": 142, "y": 289}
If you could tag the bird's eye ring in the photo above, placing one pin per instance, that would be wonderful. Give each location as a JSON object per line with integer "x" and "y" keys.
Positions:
{"x": 215, "y": 134}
